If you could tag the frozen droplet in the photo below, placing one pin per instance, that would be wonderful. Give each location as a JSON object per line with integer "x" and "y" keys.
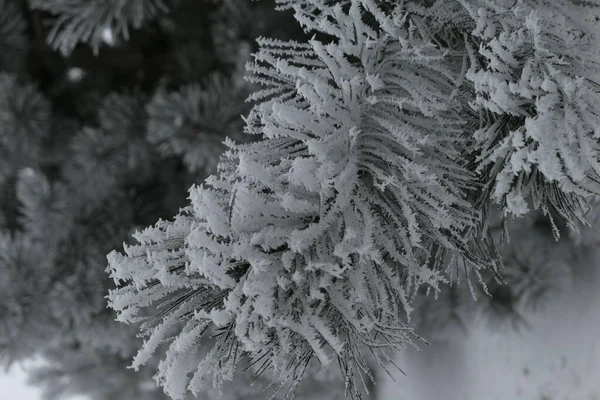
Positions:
{"x": 108, "y": 36}
{"x": 75, "y": 74}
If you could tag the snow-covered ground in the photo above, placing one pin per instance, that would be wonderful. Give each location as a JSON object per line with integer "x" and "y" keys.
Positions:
{"x": 13, "y": 384}
{"x": 558, "y": 358}
{"x": 13, "y": 387}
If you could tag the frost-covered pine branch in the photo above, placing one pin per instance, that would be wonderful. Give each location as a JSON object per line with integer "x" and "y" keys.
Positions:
{"x": 384, "y": 141}
{"x": 312, "y": 241}
{"x": 535, "y": 71}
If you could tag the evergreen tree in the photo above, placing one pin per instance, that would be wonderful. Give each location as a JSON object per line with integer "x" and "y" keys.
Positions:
{"x": 395, "y": 159}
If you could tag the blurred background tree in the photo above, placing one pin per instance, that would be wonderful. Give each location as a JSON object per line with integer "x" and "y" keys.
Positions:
{"x": 109, "y": 112}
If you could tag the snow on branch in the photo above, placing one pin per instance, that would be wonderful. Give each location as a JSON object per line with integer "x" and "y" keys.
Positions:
{"x": 383, "y": 141}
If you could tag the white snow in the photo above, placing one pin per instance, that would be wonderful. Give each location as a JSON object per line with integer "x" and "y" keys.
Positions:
{"x": 12, "y": 386}
{"x": 108, "y": 36}
{"x": 75, "y": 74}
